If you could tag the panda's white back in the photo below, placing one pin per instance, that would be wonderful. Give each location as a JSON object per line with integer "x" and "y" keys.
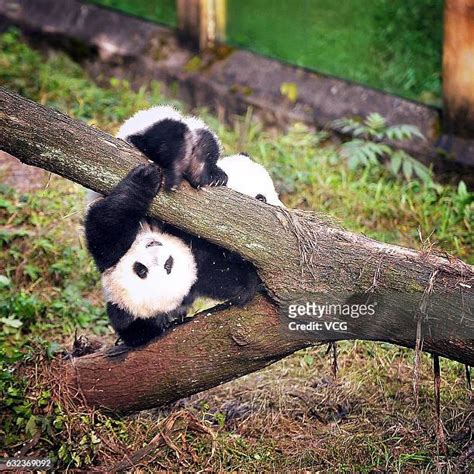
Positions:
{"x": 145, "y": 119}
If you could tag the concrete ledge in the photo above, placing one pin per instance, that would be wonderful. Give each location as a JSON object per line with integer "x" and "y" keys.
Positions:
{"x": 226, "y": 81}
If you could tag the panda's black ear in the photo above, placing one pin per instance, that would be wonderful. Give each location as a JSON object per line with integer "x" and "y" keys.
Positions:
{"x": 138, "y": 141}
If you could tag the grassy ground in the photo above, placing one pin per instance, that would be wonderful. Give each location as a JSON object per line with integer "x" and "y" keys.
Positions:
{"x": 293, "y": 415}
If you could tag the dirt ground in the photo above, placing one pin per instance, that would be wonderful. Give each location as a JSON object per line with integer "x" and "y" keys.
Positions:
{"x": 22, "y": 177}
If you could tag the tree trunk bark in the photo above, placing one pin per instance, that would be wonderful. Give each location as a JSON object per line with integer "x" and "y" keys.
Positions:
{"x": 302, "y": 258}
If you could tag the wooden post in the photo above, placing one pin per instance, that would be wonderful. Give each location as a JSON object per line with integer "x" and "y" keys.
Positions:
{"x": 458, "y": 67}
{"x": 220, "y": 14}
{"x": 201, "y": 22}
{"x": 189, "y": 22}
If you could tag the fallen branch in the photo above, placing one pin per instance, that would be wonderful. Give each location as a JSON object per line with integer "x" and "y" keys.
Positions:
{"x": 301, "y": 257}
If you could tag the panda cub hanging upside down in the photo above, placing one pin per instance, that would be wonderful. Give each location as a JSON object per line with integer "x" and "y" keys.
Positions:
{"x": 152, "y": 272}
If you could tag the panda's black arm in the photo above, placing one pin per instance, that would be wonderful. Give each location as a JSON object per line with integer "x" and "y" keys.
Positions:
{"x": 136, "y": 332}
{"x": 113, "y": 222}
{"x": 133, "y": 332}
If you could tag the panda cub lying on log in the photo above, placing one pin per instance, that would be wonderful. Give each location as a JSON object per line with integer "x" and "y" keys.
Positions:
{"x": 152, "y": 272}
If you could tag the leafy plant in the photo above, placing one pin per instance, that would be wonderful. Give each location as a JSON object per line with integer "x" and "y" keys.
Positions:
{"x": 367, "y": 149}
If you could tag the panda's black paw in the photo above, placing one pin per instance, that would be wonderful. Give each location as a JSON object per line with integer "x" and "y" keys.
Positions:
{"x": 217, "y": 177}
{"x": 146, "y": 177}
{"x": 210, "y": 177}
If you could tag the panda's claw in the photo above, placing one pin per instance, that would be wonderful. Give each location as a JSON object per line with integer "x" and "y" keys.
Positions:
{"x": 172, "y": 180}
{"x": 217, "y": 177}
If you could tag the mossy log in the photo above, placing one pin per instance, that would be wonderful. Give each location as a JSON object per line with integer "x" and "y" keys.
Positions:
{"x": 300, "y": 256}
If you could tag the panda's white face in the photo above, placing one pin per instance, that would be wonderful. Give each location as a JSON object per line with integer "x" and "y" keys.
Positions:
{"x": 153, "y": 277}
{"x": 248, "y": 177}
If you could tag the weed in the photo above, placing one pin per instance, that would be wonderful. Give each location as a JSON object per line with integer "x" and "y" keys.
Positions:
{"x": 366, "y": 150}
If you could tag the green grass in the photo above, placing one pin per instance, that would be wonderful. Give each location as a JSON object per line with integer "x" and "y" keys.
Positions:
{"x": 161, "y": 11}
{"x": 394, "y": 45}
{"x": 43, "y": 298}
{"x": 293, "y": 415}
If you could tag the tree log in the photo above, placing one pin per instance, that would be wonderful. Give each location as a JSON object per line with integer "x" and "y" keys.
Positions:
{"x": 300, "y": 256}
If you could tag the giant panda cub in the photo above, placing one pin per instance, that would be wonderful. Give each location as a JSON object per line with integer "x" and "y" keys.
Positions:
{"x": 152, "y": 272}
{"x": 182, "y": 146}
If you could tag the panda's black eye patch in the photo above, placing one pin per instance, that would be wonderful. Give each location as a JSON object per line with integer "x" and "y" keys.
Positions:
{"x": 261, "y": 197}
{"x": 140, "y": 270}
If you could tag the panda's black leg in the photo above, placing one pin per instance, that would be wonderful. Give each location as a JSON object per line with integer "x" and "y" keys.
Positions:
{"x": 230, "y": 278}
{"x": 246, "y": 293}
{"x": 180, "y": 316}
{"x": 120, "y": 320}
{"x": 136, "y": 332}
{"x": 133, "y": 332}
{"x": 142, "y": 183}
{"x": 113, "y": 222}
{"x": 141, "y": 332}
